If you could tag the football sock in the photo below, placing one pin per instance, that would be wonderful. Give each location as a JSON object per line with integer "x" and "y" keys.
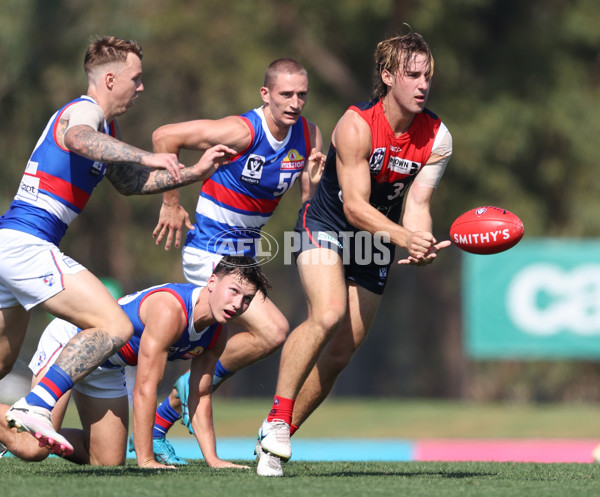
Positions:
{"x": 164, "y": 419}
{"x": 282, "y": 409}
{"x": 51, "y": 387}
{"x": 293, "y": 429}
{"x": 221, "y": 374}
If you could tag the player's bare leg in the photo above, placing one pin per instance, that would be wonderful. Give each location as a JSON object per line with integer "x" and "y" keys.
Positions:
{"x": 262, "y": 330}
{"x": 103, "y": 440}
{"x": 337, "y": 354}
{"x": 327, "y": 305}
{"x": 87, "y": 303}
{"x": 22, "y": 444}
{"x": 13, "y": 327}
{"x": 326, "y": 310}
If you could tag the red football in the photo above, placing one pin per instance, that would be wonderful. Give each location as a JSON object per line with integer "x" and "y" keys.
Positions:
{"x": 486, "y": 230}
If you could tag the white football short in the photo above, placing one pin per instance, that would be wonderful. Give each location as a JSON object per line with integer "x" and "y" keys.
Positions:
{"x": 102, "y": 383}
{"x": 198, "y": 265}
{"x": 31, "y": 269}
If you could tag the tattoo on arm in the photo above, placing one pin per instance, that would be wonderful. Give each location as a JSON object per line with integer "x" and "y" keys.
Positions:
{"x": 131, "y": 179}
{"x": 104, "y": 148}
{"x": 86, "y": 351}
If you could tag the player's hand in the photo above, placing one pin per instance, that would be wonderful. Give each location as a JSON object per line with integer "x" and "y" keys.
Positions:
{"x": 315, "y": 167}
{"x": 423, "y": 248}
{"x": 152, "y": 464}
{"x": 214, "y": 158}
{"x": 170, "y": 220}
{"x": 164, "y": 160}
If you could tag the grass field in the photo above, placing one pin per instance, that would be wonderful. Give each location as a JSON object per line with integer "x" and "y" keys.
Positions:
{"x": 348, "y": 418}
{"x": 55, "y": 477}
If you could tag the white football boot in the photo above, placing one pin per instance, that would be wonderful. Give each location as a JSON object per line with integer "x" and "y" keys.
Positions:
{"x": 596, "y": 454}
{"x": 274, "y": 437}
{"x": 38, "y": 422}
{"x": 268, "y": 464}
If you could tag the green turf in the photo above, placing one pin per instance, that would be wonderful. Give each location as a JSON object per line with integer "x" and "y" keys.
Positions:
{"x": 55, "y": 477}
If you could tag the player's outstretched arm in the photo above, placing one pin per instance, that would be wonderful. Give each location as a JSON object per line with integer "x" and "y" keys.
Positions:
{"x": 200, "y": 404}
{"x": 131, "y": 179}
{"x": 165, "y": 322}
{"x": 422, "y": 245}
{"x": 197, "y": 135}
{"x": 87, "y": 142}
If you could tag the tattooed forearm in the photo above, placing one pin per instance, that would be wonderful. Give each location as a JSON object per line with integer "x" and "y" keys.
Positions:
{"x": 131, "y": 179}
{"x": 86, "y": 351}
{"x": 104, "y": 148}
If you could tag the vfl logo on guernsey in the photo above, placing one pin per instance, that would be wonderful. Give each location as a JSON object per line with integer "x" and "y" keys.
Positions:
{"x": 376, "y": 160}
{"x": 293, "y": 160}
{"x": 403, "y": 166}
{"x": 253, "y": 169}
{"x": 97, "y": 169}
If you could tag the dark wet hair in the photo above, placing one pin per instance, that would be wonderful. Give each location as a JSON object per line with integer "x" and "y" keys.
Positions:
{"x": 246, "y": 268}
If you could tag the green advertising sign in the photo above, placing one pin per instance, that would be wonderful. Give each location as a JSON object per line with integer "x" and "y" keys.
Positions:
{"x": 540, "y": 299}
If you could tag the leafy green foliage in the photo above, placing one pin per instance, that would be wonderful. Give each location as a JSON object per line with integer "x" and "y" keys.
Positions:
{"x": 517, "y": 83}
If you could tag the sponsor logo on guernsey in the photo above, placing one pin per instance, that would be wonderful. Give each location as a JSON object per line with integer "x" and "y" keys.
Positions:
{"x": 376, "y": 160}
{"x": 28, "y": 189}
{"x": 193, "y": 353}
{"x": 403, "y": 166}
{"x": 382, "y": 274}
{"x": 292, "y": 161}
{"x": 326, "y": 237}
{"x": 253, "y": 169}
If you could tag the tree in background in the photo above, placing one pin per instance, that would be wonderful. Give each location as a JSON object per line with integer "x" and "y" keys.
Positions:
{"x": 516, "y": 82}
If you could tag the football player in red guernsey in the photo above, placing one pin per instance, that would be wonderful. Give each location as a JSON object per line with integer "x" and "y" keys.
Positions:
{"x": 384, "y": 153}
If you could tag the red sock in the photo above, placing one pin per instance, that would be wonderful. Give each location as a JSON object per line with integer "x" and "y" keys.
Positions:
{"x": 282, "y": 409}
{"x": 293, "y": 429}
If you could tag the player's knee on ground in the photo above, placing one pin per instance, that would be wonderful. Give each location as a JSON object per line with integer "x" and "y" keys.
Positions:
{"x": 29, "y": 449}
{"x": 104, "y": 459}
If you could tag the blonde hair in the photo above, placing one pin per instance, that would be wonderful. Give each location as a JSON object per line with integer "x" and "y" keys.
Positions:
{"x": 109, "y": 49}
{"x": 397, "y": 53}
